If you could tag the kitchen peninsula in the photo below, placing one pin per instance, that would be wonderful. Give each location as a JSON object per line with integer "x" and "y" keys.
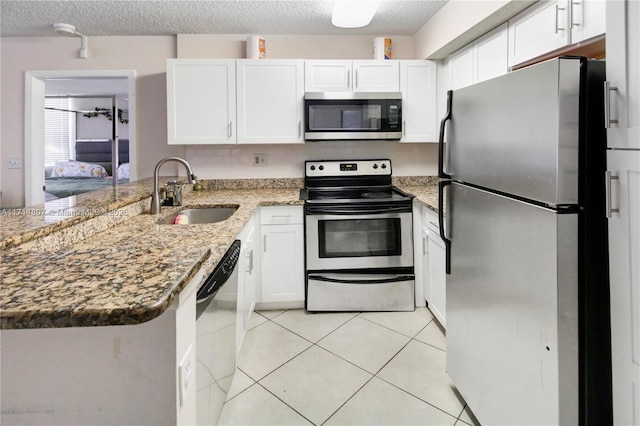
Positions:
{"x": 98, "y": 300}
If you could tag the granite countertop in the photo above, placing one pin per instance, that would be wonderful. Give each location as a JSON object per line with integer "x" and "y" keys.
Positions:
{"x": 113, "y": 264}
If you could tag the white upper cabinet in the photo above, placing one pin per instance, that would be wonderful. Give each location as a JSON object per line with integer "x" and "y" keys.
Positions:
{"x": 481, "y": 60}
{"x": 376, "y": 76}
{"x": 270, "y": 101}
{"x": 490, "y": 54}
{"x": 352, "y": 76}
{"x": 587, "y": 19}
{"x": 201, "y": 101}
{"x": 418, "y": 87}
{"x": 623, "y": 68}
{"x": 327, "y": 76}
{"x": 550, "y": 25}
{"x": 460, "y": 66}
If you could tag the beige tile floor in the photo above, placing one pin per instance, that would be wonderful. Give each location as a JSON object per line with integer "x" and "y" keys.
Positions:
{"x": 376, "y": 368}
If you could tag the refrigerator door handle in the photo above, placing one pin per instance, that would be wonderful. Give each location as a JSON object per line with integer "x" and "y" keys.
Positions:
{"x": 447, "y": 242}
{"x": 441, "y": 173}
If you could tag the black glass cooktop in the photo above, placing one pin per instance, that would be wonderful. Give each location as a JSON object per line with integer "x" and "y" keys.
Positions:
{"x": 368, "y": 193}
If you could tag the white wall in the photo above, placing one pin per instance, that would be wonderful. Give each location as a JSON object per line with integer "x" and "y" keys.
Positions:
{"x": 461, "y": 21}
{"x": 147, "y": 55}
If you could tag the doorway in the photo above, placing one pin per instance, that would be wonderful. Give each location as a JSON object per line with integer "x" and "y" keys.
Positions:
{"x": 82, "y": 83}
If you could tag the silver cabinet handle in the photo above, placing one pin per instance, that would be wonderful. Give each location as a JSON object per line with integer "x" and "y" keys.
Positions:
{"x": 425, "y": 246}
{"x": 558, "y": 8}
{"x": 299, "y": 129}
{"x": 230, "y": 129}
{"x": 573, "y": 14}
{"x": 264, "y": 244}
{"x": 348, "y": 79}
{"x": 404, "y": 127}
{"x": 356, "y": 79}
{"x": 608, "y": 121}
{"x": 249, "y": 257}
{"x": 609, "y": 208}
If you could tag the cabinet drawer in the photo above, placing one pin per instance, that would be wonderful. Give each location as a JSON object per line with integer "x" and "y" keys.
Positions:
{"x": 280, "y": 215}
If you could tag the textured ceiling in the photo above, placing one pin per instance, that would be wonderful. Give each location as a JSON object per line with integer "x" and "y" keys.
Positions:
{"x": 166, "y": 17}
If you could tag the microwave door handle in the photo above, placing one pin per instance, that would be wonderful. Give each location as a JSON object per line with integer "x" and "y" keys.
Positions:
{"x": 393, "y": 279}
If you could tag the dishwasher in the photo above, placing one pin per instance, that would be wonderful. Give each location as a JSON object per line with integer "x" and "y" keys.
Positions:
{"x": 216, "y": 308}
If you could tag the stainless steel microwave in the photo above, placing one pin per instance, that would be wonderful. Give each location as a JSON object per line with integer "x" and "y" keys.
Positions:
{"x": 352, "y": 116}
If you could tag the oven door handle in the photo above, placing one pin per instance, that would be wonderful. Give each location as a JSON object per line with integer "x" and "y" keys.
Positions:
{"x": 317, "y": 210}
{"x": 393, "y": 279}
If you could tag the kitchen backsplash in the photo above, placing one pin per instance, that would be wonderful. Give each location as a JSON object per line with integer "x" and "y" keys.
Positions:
{"x": 287, "y": 161}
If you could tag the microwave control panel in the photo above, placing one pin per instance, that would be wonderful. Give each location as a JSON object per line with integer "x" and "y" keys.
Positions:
{"x": 393, "y": 114}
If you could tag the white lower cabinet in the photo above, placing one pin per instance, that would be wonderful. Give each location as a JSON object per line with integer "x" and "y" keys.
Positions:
{"x": 432, "y": 266}
{"x": 247, "y": 277}
{"x": 282, "y": 257}
{"x": 624, "y": 259}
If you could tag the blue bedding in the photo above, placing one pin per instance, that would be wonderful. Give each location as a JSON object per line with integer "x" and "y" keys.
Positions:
{"x": 60, "y": 187}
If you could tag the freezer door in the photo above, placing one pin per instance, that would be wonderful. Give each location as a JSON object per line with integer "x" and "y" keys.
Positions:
{"x": 518, "y": 133}
{"x": 512, "y": 309}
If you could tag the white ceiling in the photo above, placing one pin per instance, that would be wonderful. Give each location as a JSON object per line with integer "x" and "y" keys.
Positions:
{"x": 165, "y": 17}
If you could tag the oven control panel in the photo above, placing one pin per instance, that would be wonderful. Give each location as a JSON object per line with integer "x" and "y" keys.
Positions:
{"x": 347, "y": 168}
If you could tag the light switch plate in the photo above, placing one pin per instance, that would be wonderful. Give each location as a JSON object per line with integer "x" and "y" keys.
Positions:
{"x": 15, "y": 162}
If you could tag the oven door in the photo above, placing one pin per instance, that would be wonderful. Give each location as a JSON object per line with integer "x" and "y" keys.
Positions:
{"x": 358, "y": 238}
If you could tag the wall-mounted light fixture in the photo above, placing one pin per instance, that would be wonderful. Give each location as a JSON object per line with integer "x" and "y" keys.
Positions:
{"x": 70, "y": 30}
{"x": 353, "y": 13}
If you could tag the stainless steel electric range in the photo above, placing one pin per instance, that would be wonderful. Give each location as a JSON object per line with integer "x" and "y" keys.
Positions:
{"x": 358, "y": 238}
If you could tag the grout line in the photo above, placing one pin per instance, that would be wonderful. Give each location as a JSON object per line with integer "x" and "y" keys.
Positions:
{"x": 355, "y": 314}
{"x": 278, "y": 398}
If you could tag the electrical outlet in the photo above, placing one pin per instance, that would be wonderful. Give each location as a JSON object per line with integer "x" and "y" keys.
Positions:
{"x": 259, "y": 160}
{"x": 186, "y": 374}
{"x": 15, "y": 162}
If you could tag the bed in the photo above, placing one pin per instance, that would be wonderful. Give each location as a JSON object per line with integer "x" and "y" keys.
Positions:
{"x": 90, "y": 171}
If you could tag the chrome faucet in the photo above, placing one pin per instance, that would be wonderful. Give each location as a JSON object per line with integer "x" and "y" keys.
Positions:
{"x": 155, "y": 198}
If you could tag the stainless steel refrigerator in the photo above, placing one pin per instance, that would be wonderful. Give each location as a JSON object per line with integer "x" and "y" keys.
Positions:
{"x": 528, "y": 335}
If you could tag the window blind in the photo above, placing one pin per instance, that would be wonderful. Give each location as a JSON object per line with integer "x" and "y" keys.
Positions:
{"x": 58, "y": 131}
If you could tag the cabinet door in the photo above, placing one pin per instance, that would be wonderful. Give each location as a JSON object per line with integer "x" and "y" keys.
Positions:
{"x": 587, "y": 19}
{"x": 376, "y": 76}
{"x": 460, "y": 66}
{"x": 201, "y": 101}
{"x": 539, "y": 29}
{"x": 437, "y": 277}
{"x": 246, "y": 282}
{"x": 327, "y": 76}
{"x": 282, "y": 263}
{"x": 418, "y": 87}
{"x": 623, "y": 68}
{"x": 624, "y": 272}
{"x": 270, "y": 101}
{"x": 490, "y": 54}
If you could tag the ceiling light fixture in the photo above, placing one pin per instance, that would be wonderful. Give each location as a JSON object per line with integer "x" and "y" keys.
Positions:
{"x": 353, "y": 13}
{"x": 70, "y": 30}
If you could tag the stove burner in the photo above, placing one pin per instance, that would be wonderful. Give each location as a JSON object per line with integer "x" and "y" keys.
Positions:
{"x": 384, "y": 194}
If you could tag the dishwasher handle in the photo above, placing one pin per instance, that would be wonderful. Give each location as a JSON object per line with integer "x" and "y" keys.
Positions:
{"x": 220, "y": 274}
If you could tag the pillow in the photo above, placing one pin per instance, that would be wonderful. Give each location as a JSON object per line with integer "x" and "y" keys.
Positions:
{"x": 123, "y": 171}
{"x": 77, "y": 169}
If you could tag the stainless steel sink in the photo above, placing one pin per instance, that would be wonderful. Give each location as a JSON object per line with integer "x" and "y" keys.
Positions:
{"x": 199, "y": 215}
